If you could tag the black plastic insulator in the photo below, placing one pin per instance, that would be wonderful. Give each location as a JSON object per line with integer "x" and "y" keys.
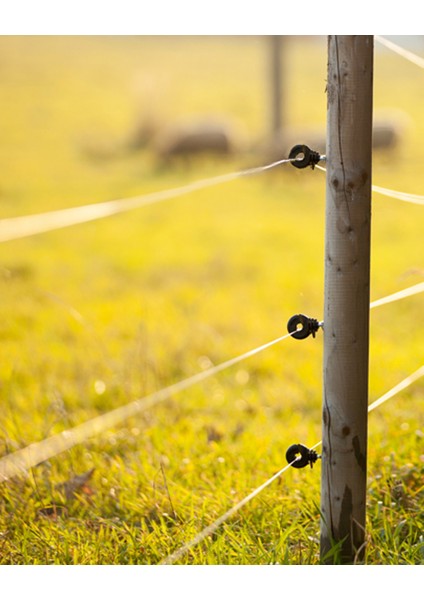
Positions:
{"x": 308, "y": 157}
{"x": 309, "y": 326}
{"x": 301, "y": 456}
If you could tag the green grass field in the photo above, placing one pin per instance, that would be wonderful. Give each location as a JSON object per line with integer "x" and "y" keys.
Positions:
{"x": 97, "y": 315}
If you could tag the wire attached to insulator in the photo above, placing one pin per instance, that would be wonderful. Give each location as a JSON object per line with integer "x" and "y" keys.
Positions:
{"x": 309, "y": 326}
{"x": 298, "y": 456}
{"x": 302, "y": 156}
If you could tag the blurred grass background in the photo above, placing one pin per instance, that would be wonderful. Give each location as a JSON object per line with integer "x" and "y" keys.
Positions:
{"x": 97, "y": 315}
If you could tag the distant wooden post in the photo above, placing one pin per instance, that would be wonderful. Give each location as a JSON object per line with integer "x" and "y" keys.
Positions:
{"x": 276, "y": 43}
{"x": 346, "y": 306}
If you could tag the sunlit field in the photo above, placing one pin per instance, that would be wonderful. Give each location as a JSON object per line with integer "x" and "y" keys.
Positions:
{"x": 97, "y": 315}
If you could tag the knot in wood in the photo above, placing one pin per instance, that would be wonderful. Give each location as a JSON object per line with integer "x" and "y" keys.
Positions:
{"x": 351, "y": 183}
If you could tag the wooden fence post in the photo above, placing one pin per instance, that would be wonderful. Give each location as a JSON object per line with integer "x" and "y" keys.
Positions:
{"x": 276, "y": 45}
{"x": 346, "y": 303}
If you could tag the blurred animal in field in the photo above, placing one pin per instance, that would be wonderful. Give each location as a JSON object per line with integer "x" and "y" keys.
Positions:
{"x": 184, "y": 139}
{"x": 198, "y": 136}
{"x": 389, "y": 128}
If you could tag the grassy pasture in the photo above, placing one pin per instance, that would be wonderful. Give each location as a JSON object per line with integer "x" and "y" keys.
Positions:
{"x": 97, "y": 315}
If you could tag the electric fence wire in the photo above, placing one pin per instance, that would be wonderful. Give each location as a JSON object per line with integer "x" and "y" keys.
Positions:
{"x": 19, "y": 227}
{"x": 20, "y": 461}
{"x": 14, "y": 228}
{"x": 413, "y": 58}
{"x": 410, "y": 291}
{"x": 413, "y": 198}
{"x": 210, "y": 529}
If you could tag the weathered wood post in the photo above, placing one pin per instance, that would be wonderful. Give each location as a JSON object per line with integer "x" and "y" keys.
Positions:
{"x": 346, "y": 303}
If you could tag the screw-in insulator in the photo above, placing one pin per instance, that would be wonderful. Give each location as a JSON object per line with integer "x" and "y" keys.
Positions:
{"x": 304, "y": 157}
{"x": 309, "y": 326}
{"x": 300, "y": 456}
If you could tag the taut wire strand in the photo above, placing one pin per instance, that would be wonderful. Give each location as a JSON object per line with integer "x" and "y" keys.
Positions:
{"x": 414, "y": 58}
{"x": 413, "y": 198}
{"x": 398, "y": 388}
{"x": 411, "y": 291}
{"x": 26, "y": 226}
{"x": 210, "y": 529}
{"x": 30, "y": 456}
{"x": 172, "y": 558}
